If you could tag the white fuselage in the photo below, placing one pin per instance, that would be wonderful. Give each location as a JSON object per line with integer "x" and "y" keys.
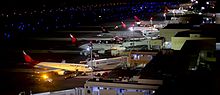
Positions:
{"x": 107, "y": 63}
{"x": 177, "y": 11}
{"x": 54, "y": 66}
{"x": 100, "y": 46}
{"x": 123, "y": 34}
{"x": 147, "y": 31}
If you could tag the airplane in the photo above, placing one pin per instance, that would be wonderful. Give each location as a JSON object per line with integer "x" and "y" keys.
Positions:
{"x": 156, "y": 24}
{"x": 134, "y": 31}
{"x": 147, "y": 31}
{"x": 104, "y": 45}
{"x": 180, "y": 10}
{"x": 59, "y": 68}
{"x": 82, "y": 43}
{"x": 105, "y": 63}
{"x": 73, "y": 39}
{"x": 121, "y": 34}
{"x": 100, "y": 46}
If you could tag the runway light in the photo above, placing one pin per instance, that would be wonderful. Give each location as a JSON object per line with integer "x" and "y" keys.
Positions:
{"x": 153, "y": 91}
{"x": 207, "y": 19}
{"x": 196, "y": 2}
{"x": 207, "y": 3}
{"x": 138, "y": 23}
{"x": 44, "y": 76}
{"x": 88, "y": 48}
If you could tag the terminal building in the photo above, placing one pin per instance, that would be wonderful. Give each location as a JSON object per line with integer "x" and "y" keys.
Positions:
{"x": 134, "y": 86}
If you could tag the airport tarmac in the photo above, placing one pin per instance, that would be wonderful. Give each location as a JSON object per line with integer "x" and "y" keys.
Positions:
{"x": 11, "y": 55}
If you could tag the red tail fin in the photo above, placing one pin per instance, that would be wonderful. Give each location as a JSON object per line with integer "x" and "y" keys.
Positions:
{"x": 73, "y": 39}
{"x": 136, "y": 19}
{"x": 29, "y": 60}
{"x": 123, "y": 25}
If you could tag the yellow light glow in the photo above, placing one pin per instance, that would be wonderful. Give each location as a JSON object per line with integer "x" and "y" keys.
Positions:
{"x": 44, "y": 76}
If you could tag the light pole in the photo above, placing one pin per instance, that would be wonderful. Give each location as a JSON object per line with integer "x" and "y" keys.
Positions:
{"x": 151, "y": 22}
{"x": 91, "y": 47}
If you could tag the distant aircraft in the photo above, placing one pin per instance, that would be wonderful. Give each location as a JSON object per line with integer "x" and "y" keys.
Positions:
{"x": 121, "y": 34}
{"x": 177, "y": 11}
{"x": 106, "y": 63}
{"x": 135, "y": 30}
{"x": 59, "y": 68}
{"x": 101, "y": 46}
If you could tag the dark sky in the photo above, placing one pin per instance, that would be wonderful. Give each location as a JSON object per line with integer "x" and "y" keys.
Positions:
{"x": 35, "y": 3}
{"x": 58, "y": 3}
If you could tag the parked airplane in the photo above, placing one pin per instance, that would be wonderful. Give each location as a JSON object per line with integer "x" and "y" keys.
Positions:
{"x": 59, "y": 68}
{"x": 121, "y": 34}
{"x": 100, "y": 46}
{"x": 134, "y": 31}
{"x": 106, "y": 63}
{"x": 177, "y": 11}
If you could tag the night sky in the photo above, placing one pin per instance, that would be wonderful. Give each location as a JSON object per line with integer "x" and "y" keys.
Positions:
{"x": 62, "y": 3}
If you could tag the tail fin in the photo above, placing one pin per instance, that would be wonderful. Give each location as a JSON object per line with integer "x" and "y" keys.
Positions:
{"x": 28, "y": 59}
{"x": 136, "y": 19}
{"x": 73, "y": 39}
{"x": 123, "y": 25}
